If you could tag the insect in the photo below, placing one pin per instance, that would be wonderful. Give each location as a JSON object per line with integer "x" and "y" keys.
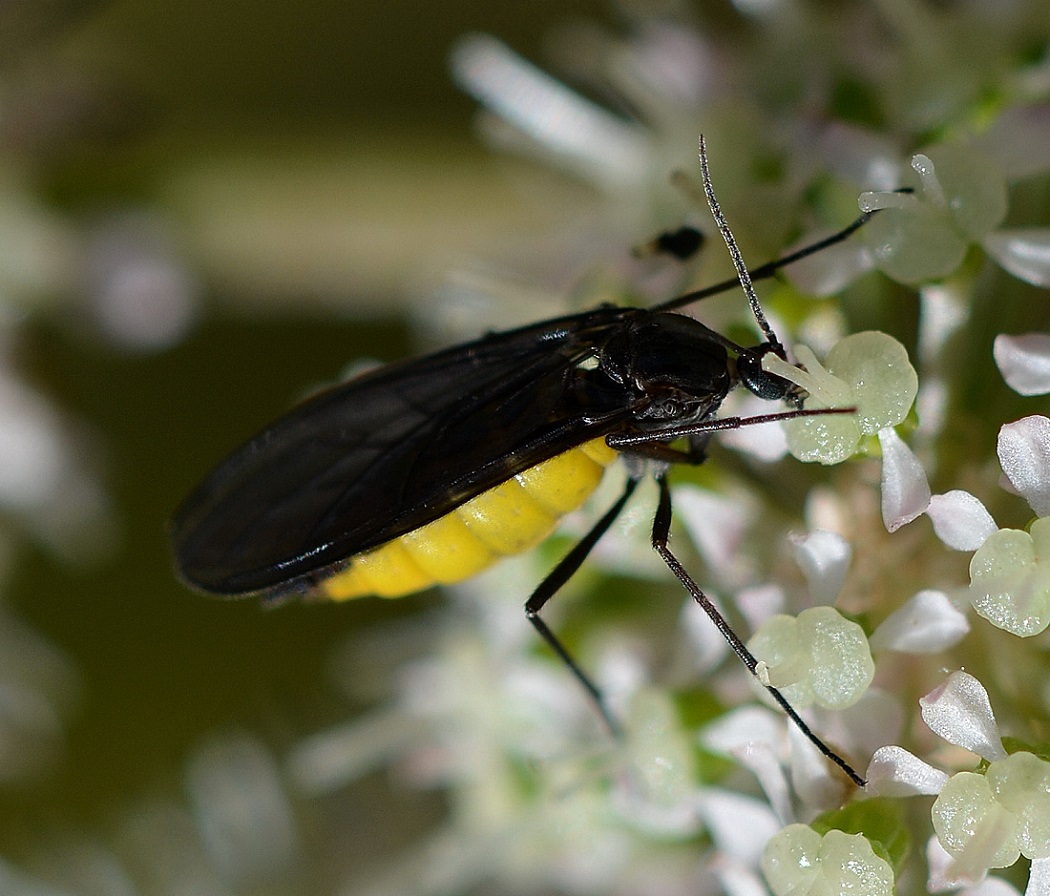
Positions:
{"x": 428, "y": 470}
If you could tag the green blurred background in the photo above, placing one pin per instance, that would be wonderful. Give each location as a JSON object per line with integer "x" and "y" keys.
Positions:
{"x": 315, "y": 167}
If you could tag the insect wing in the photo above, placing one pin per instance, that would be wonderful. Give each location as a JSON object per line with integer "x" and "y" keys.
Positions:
{"x": 385, "y": 453}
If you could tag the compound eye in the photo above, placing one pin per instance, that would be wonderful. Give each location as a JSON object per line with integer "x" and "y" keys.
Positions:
{"x": 664, "y": 407}
{"x": 758, "y": 381}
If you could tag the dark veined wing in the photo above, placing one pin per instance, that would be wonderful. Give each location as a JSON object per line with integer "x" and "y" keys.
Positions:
{"x": 389, "y": 451}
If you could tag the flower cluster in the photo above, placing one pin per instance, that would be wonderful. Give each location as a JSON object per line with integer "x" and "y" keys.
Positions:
{"x": 982, "y": 819}
{"x": 826, "y": 644}
{"x": 849, "y": 644}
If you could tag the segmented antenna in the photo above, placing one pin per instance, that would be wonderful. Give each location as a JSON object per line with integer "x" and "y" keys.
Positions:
{"x": 738, "y": 260}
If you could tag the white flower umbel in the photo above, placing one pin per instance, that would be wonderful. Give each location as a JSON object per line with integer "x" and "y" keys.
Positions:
{"x": 817, "y": 657}
{"x": 869, "y": 371}
{"x": 799, "y": 860}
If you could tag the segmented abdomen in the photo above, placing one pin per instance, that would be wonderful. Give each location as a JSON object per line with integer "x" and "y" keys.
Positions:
{"x": 508, "y": 519}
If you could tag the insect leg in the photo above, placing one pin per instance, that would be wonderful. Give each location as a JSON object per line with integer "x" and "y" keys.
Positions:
{"x": 635, "y": 441}
{"x": 553, "y": 583}
{"x": 661, "y": 530}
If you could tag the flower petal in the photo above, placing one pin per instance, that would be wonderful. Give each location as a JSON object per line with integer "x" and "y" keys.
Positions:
{"x": 929, "y": 622}
{"x": 831, "y": 270}
{"x": 991, "y": 886}
{"x": 715, "y": 523}
{"x": 762, "y": 760}
{"x": 811, "y": 773}
{"x": 940, "y": 864}
{"x": 1024, "y": 252}
{"x": 1017, "y": 140}
{"x": 893, "y": 771}
{"x": 959, "y": 711}
{"x": 1024, "y": 362}
{"x": 824, "y": 558}
{"x": 586, "y": 138}
{"x": 960, "y": 520}
{"x": 739, "y": 825}
{"x": 868, "y": 723}
{"x": 905, "y": 490}
{"x": 1024, "y": 454}
{"x": 1038, "y": 878}
{"x": 706, "y": 647}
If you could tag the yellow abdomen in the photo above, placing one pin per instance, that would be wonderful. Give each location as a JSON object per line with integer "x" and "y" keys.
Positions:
{"x": 508, "y": 519}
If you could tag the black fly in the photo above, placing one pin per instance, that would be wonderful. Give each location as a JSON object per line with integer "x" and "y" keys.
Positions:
{"x": 403, "y": 477}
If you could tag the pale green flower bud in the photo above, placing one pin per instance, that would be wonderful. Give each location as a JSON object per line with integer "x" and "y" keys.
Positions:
{"x": 817, "y": 657}
{"x": 869, "y": 371}
{"x": 1010, "y": 579}
{"x": 799, "y": 860}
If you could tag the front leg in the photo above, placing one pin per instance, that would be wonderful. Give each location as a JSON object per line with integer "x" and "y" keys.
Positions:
{"x": 694, "y": 454}
{"x": 703, "y": 430}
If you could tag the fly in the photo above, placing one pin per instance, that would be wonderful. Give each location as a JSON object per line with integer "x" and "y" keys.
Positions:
{"x": 428, "y": 470}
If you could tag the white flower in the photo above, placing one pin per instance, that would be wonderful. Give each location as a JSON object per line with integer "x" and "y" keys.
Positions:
{"x": 893, "y": 771}
{"x": 869, "y": 371}
{"x": 982, "y": 820}
{"x": 960, "y": 200}
{"x": 959, "y": 711}
{"x": 824, "y": 558}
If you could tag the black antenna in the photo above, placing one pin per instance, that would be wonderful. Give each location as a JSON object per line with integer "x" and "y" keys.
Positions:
{"x": 770, "y": 267}
{"x": 738, "y": 259}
